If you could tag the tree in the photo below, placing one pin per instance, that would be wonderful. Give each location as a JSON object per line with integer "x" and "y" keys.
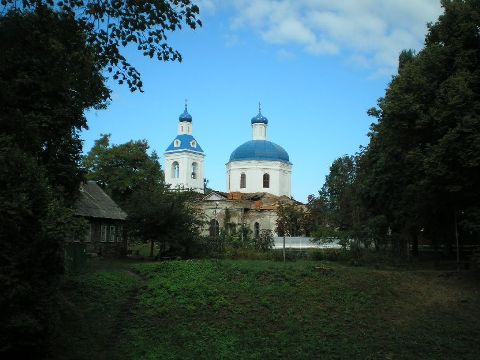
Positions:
{"x": 292, "y": 219}
{"x": 421, "y": 166}
{"x": 111, "y": 25}
{"x": 338, "y": 193}
{"x": 33, "y": 226}
{"x": 47, "y": 81}
{"x": 48, "y": 78}
{"x": 122, "y": 169}
{"x": 135, "y": 180}
{"x": 168, "y": 218}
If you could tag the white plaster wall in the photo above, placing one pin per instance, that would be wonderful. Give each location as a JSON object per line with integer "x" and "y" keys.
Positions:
{"x": 185, "y": 127}
{"x": 216, "y": 210}
{"x": 280, "y": 176}
{"x": 259, "y": 131}
{"x": 185, "y": 161}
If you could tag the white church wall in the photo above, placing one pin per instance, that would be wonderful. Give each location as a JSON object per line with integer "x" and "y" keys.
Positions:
{"x": 185, "y": 127}
{"x": 238, "y": 215}
{"x": 254, "y": 170}
{"x": 184, "y": 179}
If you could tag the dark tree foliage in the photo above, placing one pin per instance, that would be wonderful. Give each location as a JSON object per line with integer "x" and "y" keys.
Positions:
{"x": 421, "y": 169}
{"x": 292, "y": 220}
{"x": 168, "y": 218}
{"x": 48, "y": 78}
{"x": 33, "y": 225}
{"x": 113, "y": 24}
{"x": 338, "y": 193}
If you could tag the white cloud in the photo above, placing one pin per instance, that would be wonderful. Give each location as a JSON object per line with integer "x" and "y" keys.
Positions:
{"x": 368, "y": 32}
{"x": 284, "y": 54}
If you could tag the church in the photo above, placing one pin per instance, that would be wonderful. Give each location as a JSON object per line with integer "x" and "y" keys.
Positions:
{"x": 258, "y": 178}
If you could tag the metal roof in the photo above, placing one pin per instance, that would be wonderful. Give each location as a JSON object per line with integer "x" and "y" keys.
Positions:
{"x": 260, "y": 150}
{"x": 185, "y": 144}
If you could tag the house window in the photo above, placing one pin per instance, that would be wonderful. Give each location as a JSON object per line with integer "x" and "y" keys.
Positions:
{"x": 119, "y": 233}
{"x": 112, "y": 233}
{"x": 256, "y": 230}
{"x": 243, "y": 181}
{"x": 266, "y": 181}
{"x": 103, "y": 233}
{"x": 175, "y": 170}
{"x": 194, "y": 170}
{"x": 88, "y": 233}
{"x": 214, "y": 228}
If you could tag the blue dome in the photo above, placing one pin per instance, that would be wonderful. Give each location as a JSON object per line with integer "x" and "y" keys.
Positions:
{"x": 260, "y": 150}
{"x": 259, "y": 119}
{"x": 185, "y": 116}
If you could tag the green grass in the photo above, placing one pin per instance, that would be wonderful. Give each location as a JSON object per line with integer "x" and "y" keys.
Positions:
{"x": 268, "y": 310}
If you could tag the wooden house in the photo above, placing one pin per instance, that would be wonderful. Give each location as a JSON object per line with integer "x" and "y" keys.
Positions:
{"x": 105, "y": 233}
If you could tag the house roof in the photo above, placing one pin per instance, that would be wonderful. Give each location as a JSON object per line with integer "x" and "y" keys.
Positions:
{"x": 93, "y": 202}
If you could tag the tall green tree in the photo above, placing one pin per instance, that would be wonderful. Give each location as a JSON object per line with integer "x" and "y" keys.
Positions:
{"x": 48, "y": 78}
{"x": 33, "y": 225}
{"x": 423, "y": 160}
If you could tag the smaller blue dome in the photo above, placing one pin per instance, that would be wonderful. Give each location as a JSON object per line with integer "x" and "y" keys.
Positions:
{"x": 259, "y": 119}
{"x": 185, "y": 116}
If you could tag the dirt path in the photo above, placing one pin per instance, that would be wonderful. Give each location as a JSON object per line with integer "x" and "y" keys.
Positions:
{"x": 125, "y": 314}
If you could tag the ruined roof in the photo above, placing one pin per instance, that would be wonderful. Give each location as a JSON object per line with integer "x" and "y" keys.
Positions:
{"x": 258, "y": 201}
{"x": 93, "y": 202}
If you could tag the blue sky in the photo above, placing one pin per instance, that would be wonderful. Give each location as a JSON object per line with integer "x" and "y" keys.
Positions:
{"x": 315, "y": 65}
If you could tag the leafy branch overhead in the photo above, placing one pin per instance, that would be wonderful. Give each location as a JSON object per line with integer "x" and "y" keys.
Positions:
{"x": 112, "y": 25}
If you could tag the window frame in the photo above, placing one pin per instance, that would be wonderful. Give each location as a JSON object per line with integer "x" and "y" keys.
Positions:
{"x": 103, "y": 232}
{"x": 111, "y": 233}
{"x": 175, "y": 170}
{"x": 266, "y": 179}
{"x": 243, "y": 181}
{"x": 256, "y": 229}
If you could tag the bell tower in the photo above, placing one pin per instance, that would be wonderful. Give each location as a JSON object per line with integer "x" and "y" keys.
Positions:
{"x": 184, "y": 158}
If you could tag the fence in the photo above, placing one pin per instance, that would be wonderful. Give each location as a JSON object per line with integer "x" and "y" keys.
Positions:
{"x": 301, "y": 242}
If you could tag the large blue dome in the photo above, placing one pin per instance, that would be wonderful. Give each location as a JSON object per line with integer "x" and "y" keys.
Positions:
{"x": 260, "y": 150}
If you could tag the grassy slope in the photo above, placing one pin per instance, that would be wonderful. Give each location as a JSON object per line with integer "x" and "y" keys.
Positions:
{"x": 267, "y": 310}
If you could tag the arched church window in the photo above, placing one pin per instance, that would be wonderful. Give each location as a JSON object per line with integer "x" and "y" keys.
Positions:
{"x": 243, "y": 181}
{"x": 214, "y": 228}
{"x": 175, "y": 170}
{"x": 194, "y": 170}
{"x": 177, "y": 143}
{"x": 266, "y": 180}
{"x": 193, "y": 143}
{"x": 256, "y": 229}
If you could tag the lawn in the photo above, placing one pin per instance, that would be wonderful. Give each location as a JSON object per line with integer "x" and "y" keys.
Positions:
{"x": 267, "y": 310}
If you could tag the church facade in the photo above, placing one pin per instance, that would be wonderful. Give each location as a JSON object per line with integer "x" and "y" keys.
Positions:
{"x": 258, "y": 178}
{"x": 259, "y": 165}
{"x": 184, "y": 158}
